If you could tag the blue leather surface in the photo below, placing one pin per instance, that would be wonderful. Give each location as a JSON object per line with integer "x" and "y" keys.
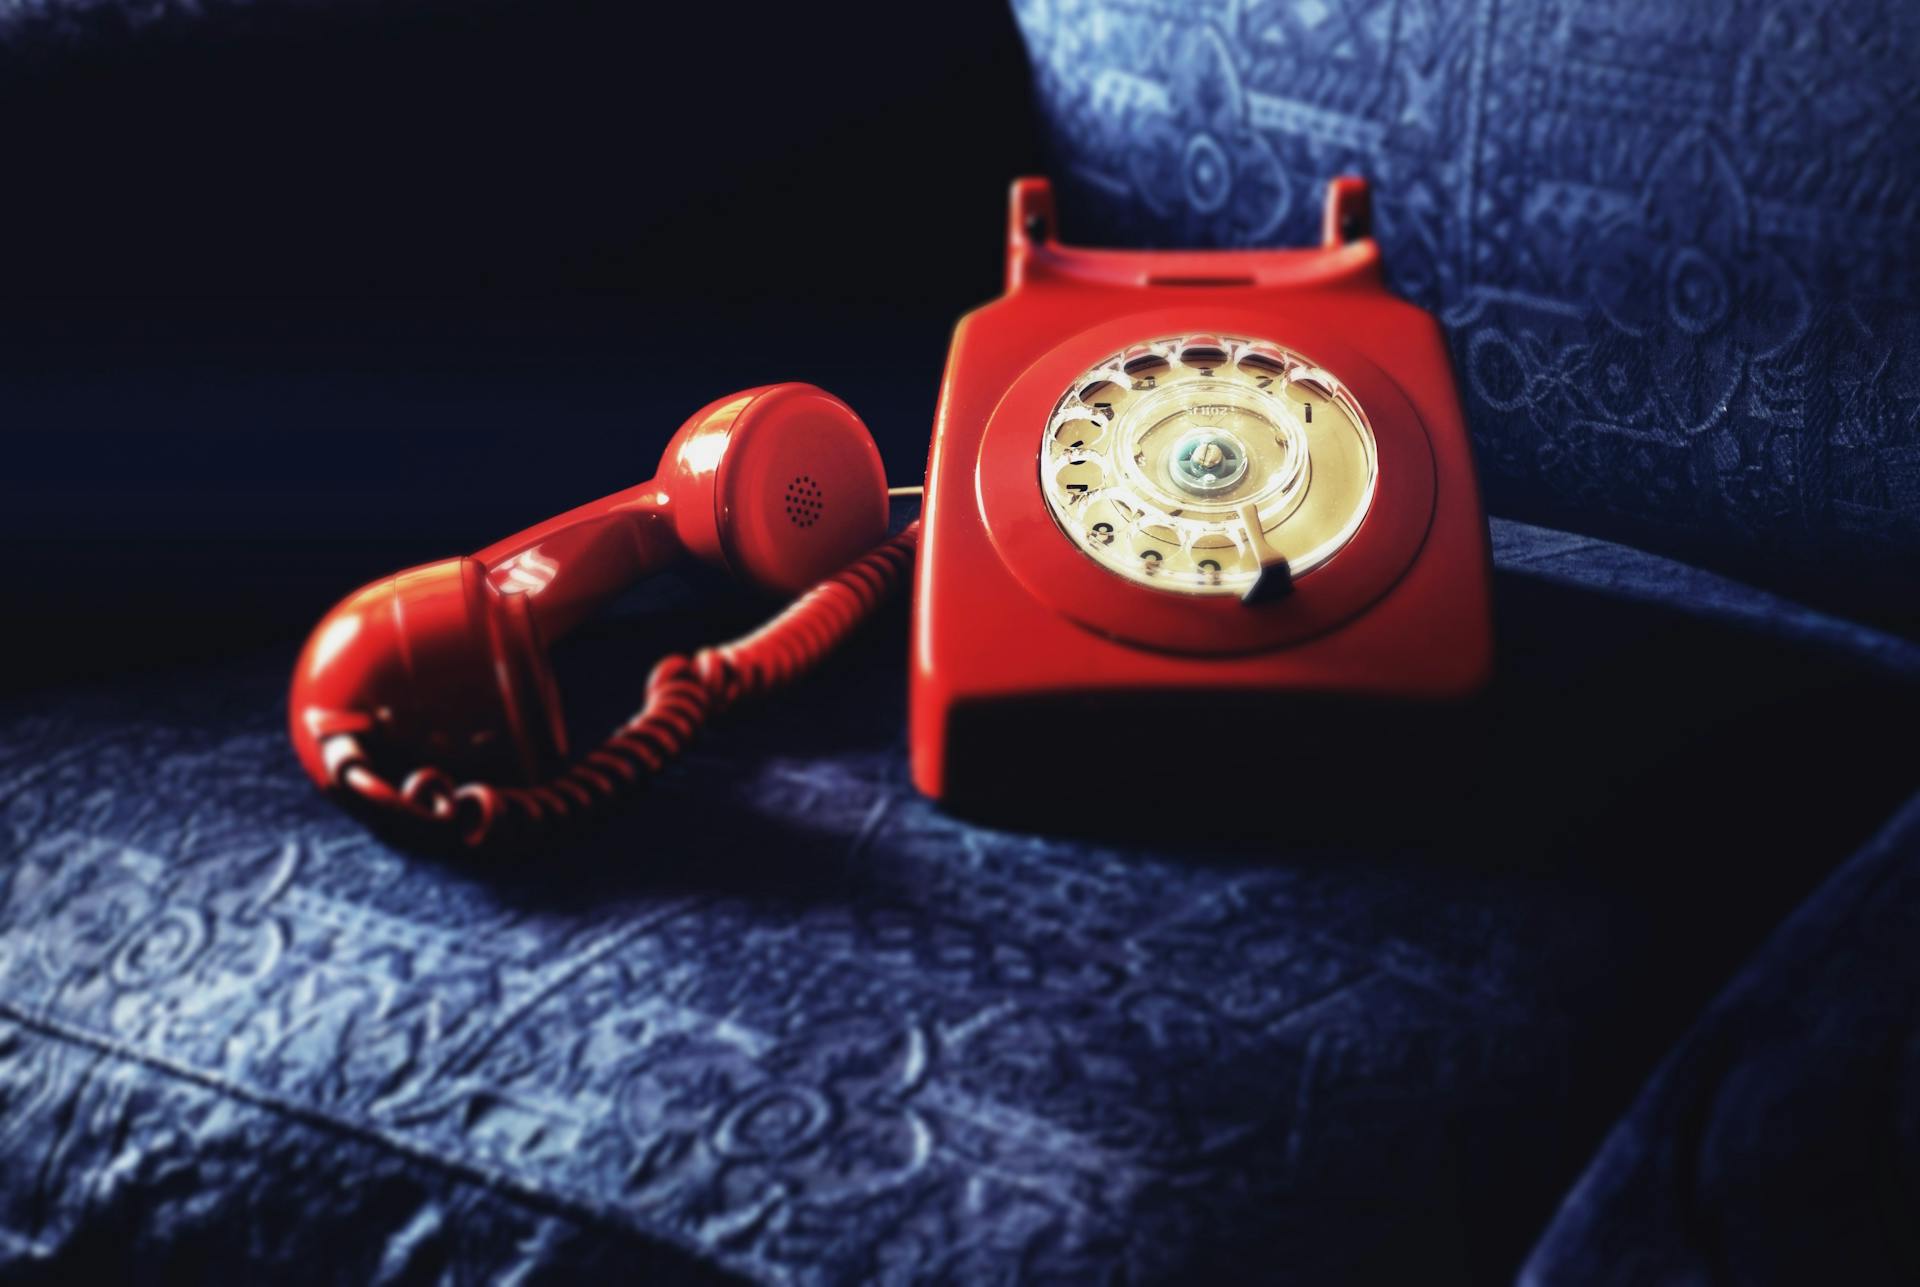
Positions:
{"x": 1677, "y": 253}
{"x": 793, "y": 1022}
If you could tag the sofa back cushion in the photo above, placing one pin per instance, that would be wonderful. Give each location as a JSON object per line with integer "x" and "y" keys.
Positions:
{"x": 1677, "y": 254}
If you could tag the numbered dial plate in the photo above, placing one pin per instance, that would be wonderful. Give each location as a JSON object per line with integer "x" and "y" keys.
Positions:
{"x": 1204, "y": 464}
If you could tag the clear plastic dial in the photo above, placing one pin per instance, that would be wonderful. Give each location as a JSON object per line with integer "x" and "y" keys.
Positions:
{"x": 1203, "y": 464}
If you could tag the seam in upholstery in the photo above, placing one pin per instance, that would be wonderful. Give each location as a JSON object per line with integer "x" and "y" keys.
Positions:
{"x": 1744, "y": 606}
{"x": 503, "y": 1183}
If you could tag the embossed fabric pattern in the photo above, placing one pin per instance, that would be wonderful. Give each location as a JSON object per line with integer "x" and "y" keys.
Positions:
{"x": 790, "y": 1021}
{"x": 244, "y": 1034}
{"x": 1677, "y": 253}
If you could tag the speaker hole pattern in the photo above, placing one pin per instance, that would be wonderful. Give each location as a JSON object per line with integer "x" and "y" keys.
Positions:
{"x": 803, "y": 501}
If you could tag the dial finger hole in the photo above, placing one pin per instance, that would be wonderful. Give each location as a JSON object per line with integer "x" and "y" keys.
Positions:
{"x": 1204, "y": 353}
{"x": 1102, "y": 394}
{"x": 1104, "y": 522}
{"x": 1310, "y": 384}
{"x": 1262, "y": 361}
{"x": 1079, "y": 483}
{"x": 1079, "y": 439}
{"x": 1145, "y": 366}
{"x": 1309, "y": 391}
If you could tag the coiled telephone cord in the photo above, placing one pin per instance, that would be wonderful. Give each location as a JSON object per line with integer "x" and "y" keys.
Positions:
{"x": 683, "y": 694}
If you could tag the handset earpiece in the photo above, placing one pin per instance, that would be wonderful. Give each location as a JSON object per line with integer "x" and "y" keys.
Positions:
{"x": 445, "y": 664}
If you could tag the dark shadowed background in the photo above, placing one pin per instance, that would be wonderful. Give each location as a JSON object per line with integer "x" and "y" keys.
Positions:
{"x": 354, "y": 286}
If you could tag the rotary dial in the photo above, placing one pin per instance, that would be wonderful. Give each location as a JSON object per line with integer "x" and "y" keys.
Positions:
{"x": 1204, "y": 464}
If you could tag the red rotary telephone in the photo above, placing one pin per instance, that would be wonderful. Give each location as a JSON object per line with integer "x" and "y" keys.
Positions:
{"x": 1206, "y": 484}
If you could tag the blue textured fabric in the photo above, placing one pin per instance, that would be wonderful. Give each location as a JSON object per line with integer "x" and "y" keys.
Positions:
{"x": 32, "y": 26}
{"x": 1780, "y": 1143}
{"x": 1677, "y": 253}
{"x": 790, "y": 1021}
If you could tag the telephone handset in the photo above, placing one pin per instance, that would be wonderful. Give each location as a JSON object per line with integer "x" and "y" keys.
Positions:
{"x": 420, "y": 692}
{"x": 1154, "y": 476}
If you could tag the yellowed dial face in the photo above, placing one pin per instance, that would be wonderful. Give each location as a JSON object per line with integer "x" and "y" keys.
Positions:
{"x": 1208, "y": 464}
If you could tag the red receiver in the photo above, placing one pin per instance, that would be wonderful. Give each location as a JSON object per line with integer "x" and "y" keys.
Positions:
{"x": 442, "y": 669}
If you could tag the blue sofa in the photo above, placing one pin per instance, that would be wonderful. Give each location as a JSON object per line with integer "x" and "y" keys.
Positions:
{"x": 1635, "y": 998}
{"x": 789, "y": 1021}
